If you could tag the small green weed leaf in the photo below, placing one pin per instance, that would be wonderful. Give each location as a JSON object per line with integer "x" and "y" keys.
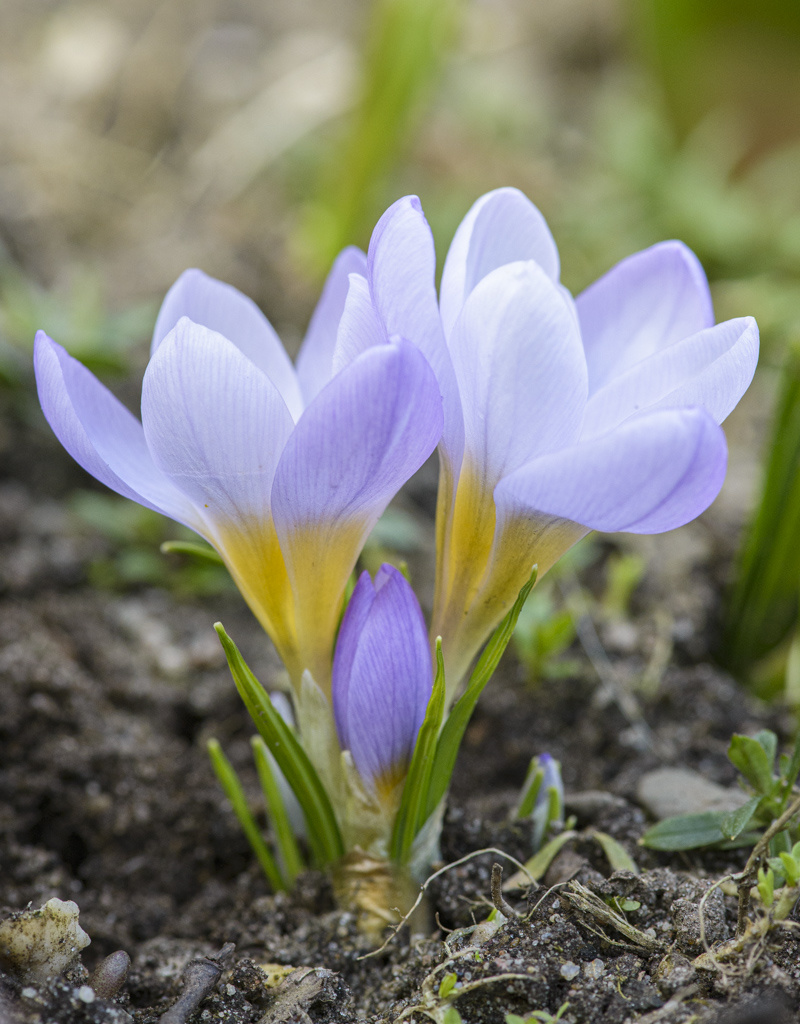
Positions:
{"x": 750, "y": 757}
{"x": 685, "y": 831}
{"x": 737, "y": 821}
{"x": 791, "y": 771}
{"x": 766, "y": 886}
{"x": 791, "y": 869}
{"x": 616, "y": 854}
{"x": 448, "y": 983}
{"x": 452, "y": 1016}
{"x": 769, "y": 741}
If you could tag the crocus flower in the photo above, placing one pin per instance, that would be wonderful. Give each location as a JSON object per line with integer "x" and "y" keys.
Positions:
{"x": 284, "y": 472}
{"x": 382, "y": 679}
{"x": 560, "y": 417}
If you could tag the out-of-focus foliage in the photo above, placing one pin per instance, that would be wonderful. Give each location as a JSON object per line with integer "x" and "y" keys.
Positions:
{"x": 739, "y": 54}
{"x": 406, "y": 45}
{"x": 78, "y": 315}
{"x": 762, "y": 605}
{"x": 132, "y": 557}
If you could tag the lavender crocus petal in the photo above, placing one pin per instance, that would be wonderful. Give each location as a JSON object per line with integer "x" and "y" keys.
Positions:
{"x": 401, "y": 272}
{"x": 655, "y": 472}
{"x": 350, "y": 631}
{"x": 356, "y": 444}
{"x": 315, "y": 359}
{"x": 711, "y": 369}
{"x": 501, "y": 227}
{"x": 101, "y": 434}
{"x": 389, "y": 678}
{"x": 645, "y": 303}
{"x": 222, "y": 308}
{"x": 359, "y": 327}
{"x": 216, "y": 425}
{"x": 520, "y": 368}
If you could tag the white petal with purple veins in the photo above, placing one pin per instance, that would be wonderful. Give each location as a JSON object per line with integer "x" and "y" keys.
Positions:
{"x": 644, "y": 304}
{"x": 216, "y": 424}
{"x": 222, "y": 308}
{"x": 711, "y": 369}
{"x": 502, "y": 227}
{"x": 315, "y": 359}
{"x": 654, "y": 473}
{"x": 520, "y": 368}
{"x": 101, "y": 434}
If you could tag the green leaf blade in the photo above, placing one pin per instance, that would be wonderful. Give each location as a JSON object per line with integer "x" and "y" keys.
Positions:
{"x": 453, "y": 730}
{"x": 233, "y": 790}
{"x": 323, "y": 830}
{"x": 686, "y": 832}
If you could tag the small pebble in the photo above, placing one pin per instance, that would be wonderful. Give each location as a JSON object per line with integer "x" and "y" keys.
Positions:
{"x": 86, "y": 994}
{"x": 569, "y": 970}
{"x": 28, "y": 993}
{"x": 594, "y": 969}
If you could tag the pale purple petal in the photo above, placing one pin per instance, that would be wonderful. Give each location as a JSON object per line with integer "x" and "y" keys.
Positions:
{"x": 216, "y": 425}
{"x": 382, "y": 676}
{"x": 654, "y": 473}
{"x": 101, "y": 434}
{"x": 645, "y": 303}
{"x": 402, "y": 267}
{"x": 315, "y": 359}
{"x": 501, "y": 227}
{"x": 711, "y": 369}
{"x": 360, "y": 439}
{"x": 520, "y": 368}
{"x": 222, "y": 308}
{"x": 359, "y": 327}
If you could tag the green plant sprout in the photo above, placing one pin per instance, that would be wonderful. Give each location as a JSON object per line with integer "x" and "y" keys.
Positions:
{"x": 769, "y": 783}
{"x": 538, "y": 1016}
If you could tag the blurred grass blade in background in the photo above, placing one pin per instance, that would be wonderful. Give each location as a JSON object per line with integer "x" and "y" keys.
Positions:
{"x": 407, "y": 43}
{"x": 762, "y": 605}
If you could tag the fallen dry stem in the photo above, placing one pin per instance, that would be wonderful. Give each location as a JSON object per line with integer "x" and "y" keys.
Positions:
{"x": 423, "y": 888}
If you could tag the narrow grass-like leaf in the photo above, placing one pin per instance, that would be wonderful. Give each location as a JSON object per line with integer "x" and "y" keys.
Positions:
{"x": 276, "y": 812}
{"x": 541, "y": 861}
{"x": 616, "y": 854}
{"x": 762, "y": 606}
{"x": 186, "y": 547}
{"x": 531, "y": 789}
{"x": 458, "y": 719}
{"x": 686, "y": 831}
{"x": 230, "y": 783}
{"x": 407, "y": 44}
{"x": 413, "y": 802}
{"x": 324, "y": 836}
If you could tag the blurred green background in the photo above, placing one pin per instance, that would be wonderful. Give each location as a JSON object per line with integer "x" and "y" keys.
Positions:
{"x": 255, "y": 139}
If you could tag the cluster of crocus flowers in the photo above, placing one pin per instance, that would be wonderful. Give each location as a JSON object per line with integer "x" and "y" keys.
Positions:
{"x": 552, "y": 416}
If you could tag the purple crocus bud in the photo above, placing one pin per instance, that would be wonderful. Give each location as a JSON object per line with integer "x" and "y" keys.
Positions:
{"x": 284, "y": 472}
{"x": 561, "y": 416}
{"x": 382, "y": 678}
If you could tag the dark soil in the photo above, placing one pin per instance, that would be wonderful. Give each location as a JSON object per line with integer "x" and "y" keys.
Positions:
{"x": 108, "y": 799}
